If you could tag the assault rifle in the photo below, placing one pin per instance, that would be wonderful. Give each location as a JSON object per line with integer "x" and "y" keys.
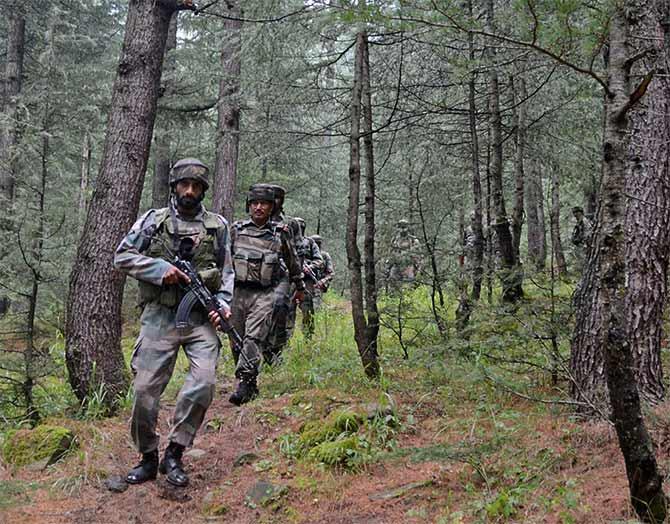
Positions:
{"x": 197, "y": 292}
{"x": 310, "y": 273}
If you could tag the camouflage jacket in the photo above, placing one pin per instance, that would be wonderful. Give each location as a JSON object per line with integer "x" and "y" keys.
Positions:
{"x": 141, "y": 255}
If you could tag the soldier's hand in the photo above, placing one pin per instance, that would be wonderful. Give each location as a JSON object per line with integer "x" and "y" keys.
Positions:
{"x": 214, "y": 319}
{"x": 174, "y": 276}
{"x": 299, "y": 296}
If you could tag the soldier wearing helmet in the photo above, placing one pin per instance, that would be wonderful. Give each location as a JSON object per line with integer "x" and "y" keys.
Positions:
{"x": 146, "y": 254}
{"x": 404, "y": 261}
{"x": 263, "y": 257}
{"x": 312, "y": 266}
{"x": 326, "y": 275}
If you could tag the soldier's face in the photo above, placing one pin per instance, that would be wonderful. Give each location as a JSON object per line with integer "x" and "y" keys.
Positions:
{"x": 260, "y": 211}
{"x": 189, "y": 193}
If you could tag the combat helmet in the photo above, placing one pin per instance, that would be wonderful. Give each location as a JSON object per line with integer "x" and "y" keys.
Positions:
{"x": 189, "y": 168}
{"x": 317, "y": 239}
{"x": 403, "y": 223}
{"x": 280, "y": 195}
{"x": 301, "y": 223}
{"x": 261, "y": 192}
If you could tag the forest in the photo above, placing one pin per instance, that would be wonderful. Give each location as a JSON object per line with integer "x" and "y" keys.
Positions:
{"x": 491, "y": 179}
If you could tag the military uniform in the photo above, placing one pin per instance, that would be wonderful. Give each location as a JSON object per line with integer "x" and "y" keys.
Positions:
{"x": 263, "y": 257}
{"x": 581, "y": 239}
{"x": 311, "y": 261}
{"x": 145, "y": 254}
{"x": 325, "y": 276}
{"x": 404, "y": 261}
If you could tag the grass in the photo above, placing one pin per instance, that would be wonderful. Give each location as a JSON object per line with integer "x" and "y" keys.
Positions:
{"x": 454, "y": 403}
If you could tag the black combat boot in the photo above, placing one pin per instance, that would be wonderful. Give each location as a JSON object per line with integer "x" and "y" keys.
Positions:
{"x": 172, "y": 466}
{"x": 145, "y": 470}
{"x": 247, "y": 390}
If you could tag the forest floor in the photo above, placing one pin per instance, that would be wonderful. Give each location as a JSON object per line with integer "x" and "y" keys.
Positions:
{"x": 442, "y": 444}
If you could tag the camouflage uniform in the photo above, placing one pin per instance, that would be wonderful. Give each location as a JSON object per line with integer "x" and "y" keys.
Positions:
{"x": 310, "y": 260}
{"x": 325, "y": 276}
{"x": 404, "y": 263}
{"x": 145, "y": 254}
{"x": 263, "y": 257}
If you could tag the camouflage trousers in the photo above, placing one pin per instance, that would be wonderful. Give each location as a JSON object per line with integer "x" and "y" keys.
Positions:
{"x": 153, "y": 362}
{"x": 307, "y": 308}
{"x": 252, "y": 318}
{"x": 278, "y": 335}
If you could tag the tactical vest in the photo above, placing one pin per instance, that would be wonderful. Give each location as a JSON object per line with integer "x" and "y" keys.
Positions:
{"x": 206, "y": 255}
{"x": 257, "y": 254}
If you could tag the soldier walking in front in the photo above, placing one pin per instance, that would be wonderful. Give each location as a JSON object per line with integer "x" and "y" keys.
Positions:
{"x": 145, "y": 254}
{"x": 262, "y": 256}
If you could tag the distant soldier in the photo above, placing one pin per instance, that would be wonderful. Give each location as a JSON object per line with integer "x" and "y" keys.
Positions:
{"x": 312, "y": 265}
{"x": 325, "y": 276}
{"x": 581, "y": 237}
{"x": 262, "y": 254}
{"x": 404, "y": 261}
{"x": 146, "y": 254}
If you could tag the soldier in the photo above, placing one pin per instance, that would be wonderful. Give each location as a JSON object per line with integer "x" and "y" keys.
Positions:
{"x": 262, "y": 254}
{"x": 312, "y": 265}
{"x": 404, "y": 263}
{"x": 581, "y": 237}
{"x": 145, "y": 254}
{"x": 326, "y": 275}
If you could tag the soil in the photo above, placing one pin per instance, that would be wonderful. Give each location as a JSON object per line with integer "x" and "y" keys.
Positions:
{"x": 398, "y": 489}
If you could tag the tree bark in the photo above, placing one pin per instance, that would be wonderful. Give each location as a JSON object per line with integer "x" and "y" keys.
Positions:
{"x": 555, "y": 220}
{"x": 367, "y": 352}
{"x": 510, "y": 272}
{"x": 647, "y": 210}
{"x": 84, "y": 178}
{"x": 160, "y": 190}
{"x": 477, "y": 212}
{"x": 519, "y": 96}
{"x": 12, "y": 89}
{"x": 372, "y": 329}
{"x": 644, "y": 480}
{"x": 536, "y": 233}
{"x": 228, "y": 124}
{"x": 93, "y": 322}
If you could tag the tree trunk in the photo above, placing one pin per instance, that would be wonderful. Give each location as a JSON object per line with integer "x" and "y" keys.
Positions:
{"x": 510, "y": 272}
{"x": 644, "y": 480}
{"x": 228, "y": 123}
{"x": 477, "y": 254}
{"x": 12, "y": 89}
{"x": 160, "y": 190}
{"x": 368, "y": 358}
{"x": 84, "y": 178}
{"x": 93, "y": 322}
{"x": 536, "y": 234}
{"x": 372, "y": 329}
{"x": 519, "y": 96}
{"x": 648, "y": 213}
{"x": 555, "y": 220}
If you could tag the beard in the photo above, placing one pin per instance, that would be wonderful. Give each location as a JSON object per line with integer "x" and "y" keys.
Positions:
{"x": 188, "y": 203}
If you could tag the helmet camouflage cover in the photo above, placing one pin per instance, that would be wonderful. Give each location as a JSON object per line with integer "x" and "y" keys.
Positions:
{"x": 261, "y": 193}
{"x": 317, "y": 239}
{"x": 279, "y": 195}
{"x": 189, "y": 168}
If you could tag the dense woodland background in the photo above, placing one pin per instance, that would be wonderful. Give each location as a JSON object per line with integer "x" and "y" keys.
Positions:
{"x": 487, "y": 119}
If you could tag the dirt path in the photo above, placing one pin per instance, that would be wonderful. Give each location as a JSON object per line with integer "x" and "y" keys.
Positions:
{"x": 422, "y": 484}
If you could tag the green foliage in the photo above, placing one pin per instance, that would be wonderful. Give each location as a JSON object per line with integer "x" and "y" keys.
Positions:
{"x": 348, "y": 451}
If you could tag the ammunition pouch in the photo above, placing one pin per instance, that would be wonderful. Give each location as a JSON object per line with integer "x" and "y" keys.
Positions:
{"x": 256, "y": 268}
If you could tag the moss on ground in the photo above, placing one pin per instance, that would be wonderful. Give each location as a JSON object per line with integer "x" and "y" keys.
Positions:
{"x": 25, "y": 446}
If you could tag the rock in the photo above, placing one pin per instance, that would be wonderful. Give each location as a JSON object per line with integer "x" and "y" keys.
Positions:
{"x": 195, "y": 453}
{"x": 212, "y": 506}
{"x": 263, "y": 493}
{"x": 246, "y": 457}
{"x": 376, "y": 409}
{"x": 169, "y": 492}
{"x": 27, "y": 446}
{"x": 401, "y": 490}
{"x": 117, "y": 484}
